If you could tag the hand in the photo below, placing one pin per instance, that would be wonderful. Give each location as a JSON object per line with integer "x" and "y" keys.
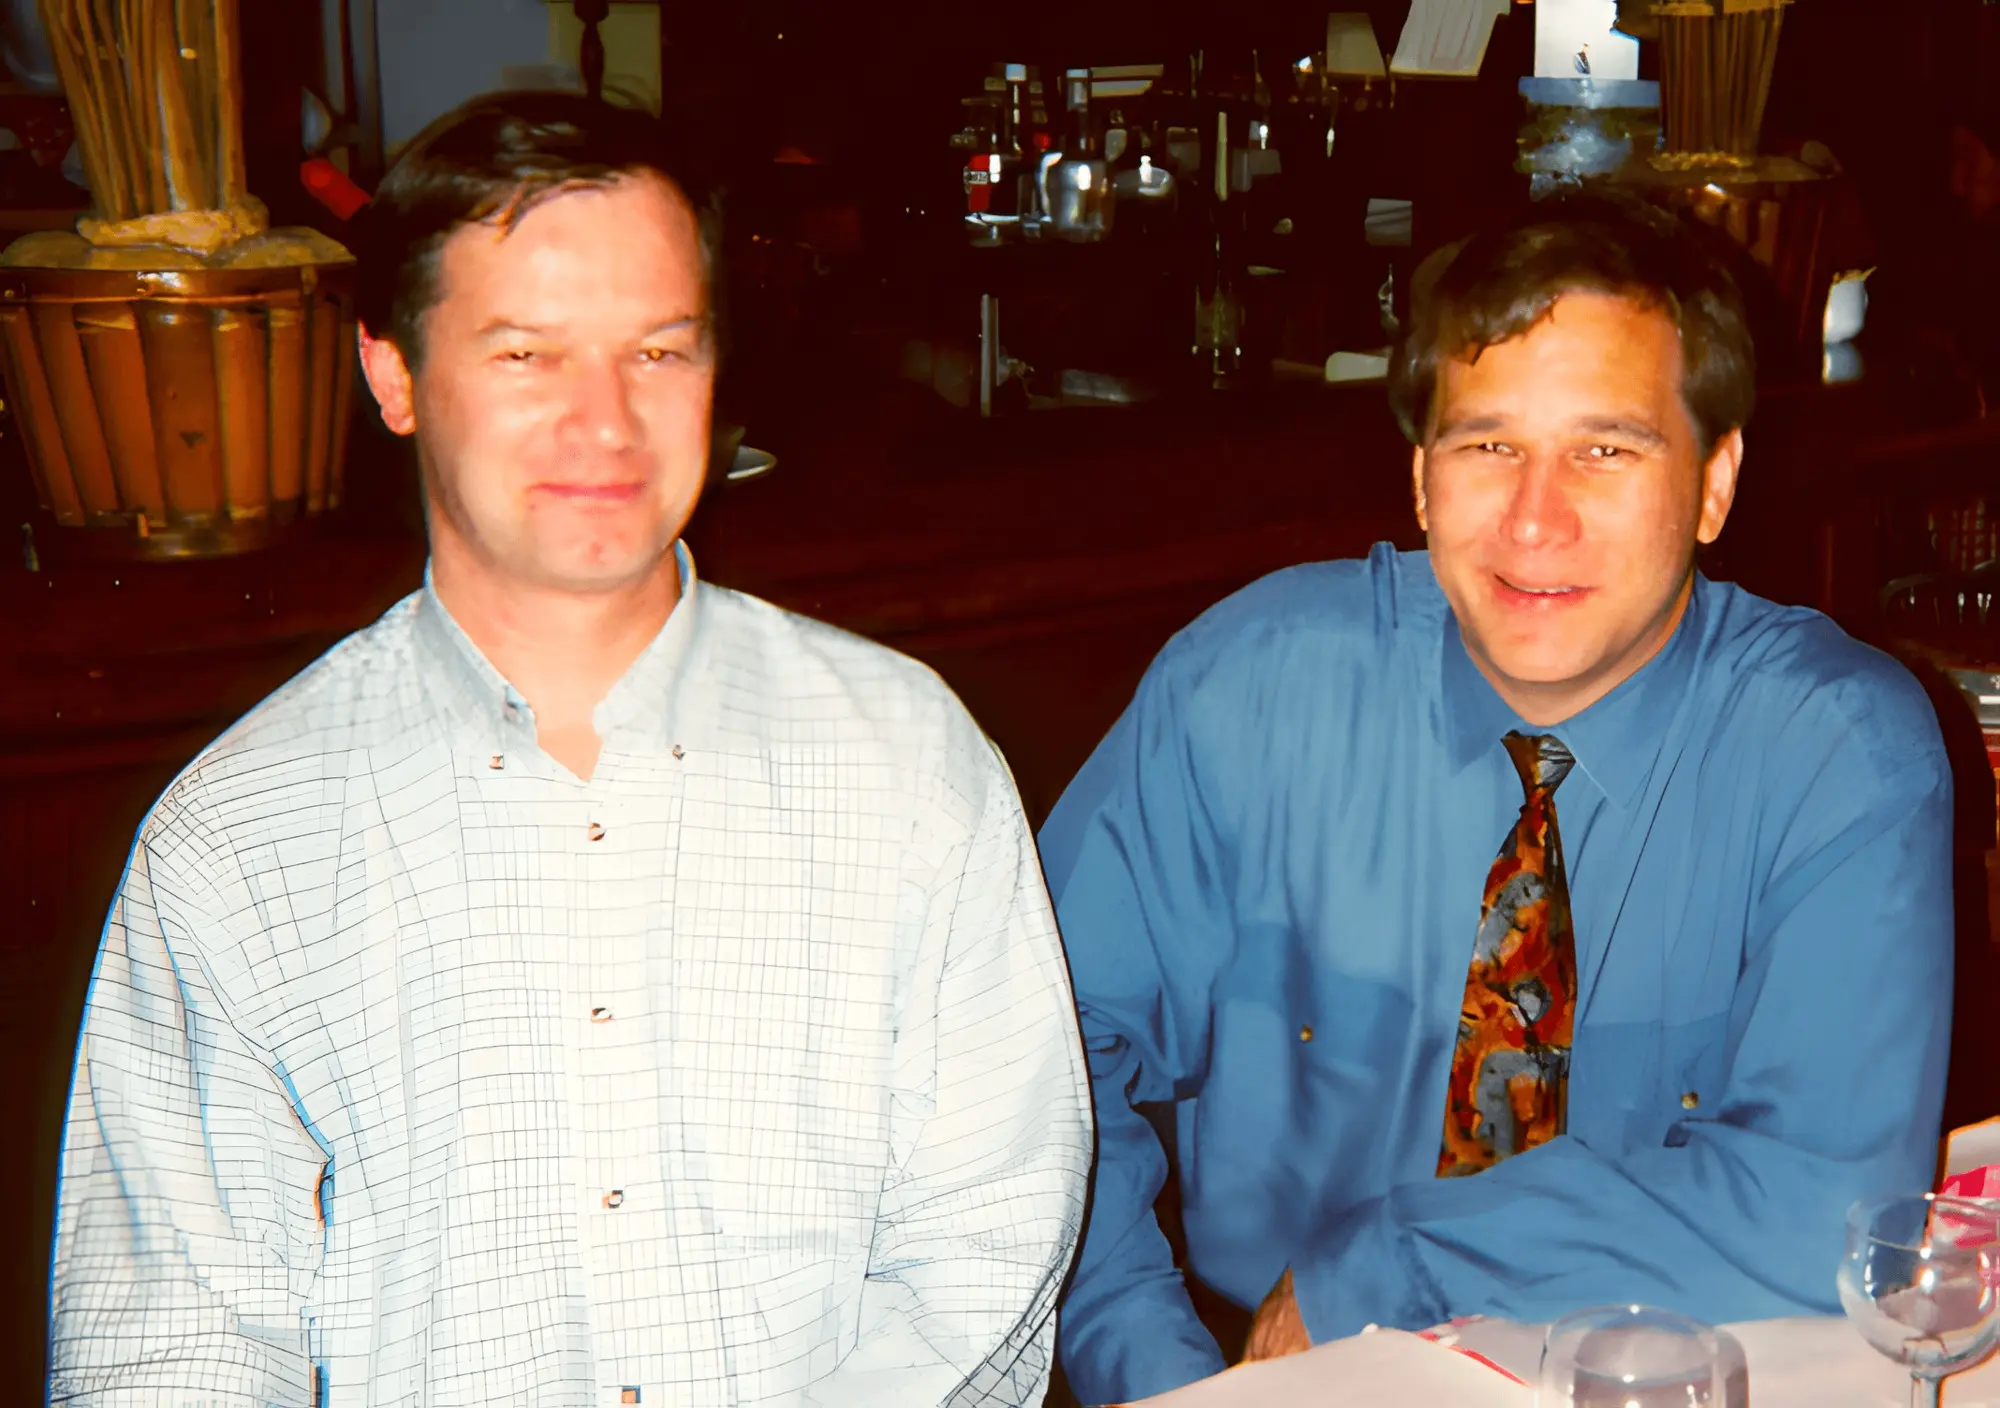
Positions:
{"x": 1279, "y": 1329}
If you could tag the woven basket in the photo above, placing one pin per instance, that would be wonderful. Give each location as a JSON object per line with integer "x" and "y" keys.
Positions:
{"x": 197, "y": 408}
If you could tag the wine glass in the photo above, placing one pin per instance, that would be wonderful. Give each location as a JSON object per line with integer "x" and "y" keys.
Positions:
{"x": 1630, "y": 1356}
{"x": 1919, "y": 1281}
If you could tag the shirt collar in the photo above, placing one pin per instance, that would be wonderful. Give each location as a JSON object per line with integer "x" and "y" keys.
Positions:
{"x": 1615, "y": 741}
{"x": 476, "y": 697}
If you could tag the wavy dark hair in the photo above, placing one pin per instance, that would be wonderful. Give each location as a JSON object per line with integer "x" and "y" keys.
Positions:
{"x": 1497, "y": 284}
{"x": 491, "y": 160}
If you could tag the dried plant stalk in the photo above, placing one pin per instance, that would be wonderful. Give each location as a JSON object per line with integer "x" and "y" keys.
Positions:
{"x": 137, "y": 38}
{"x": 185, "y": 178}
{"x": 70, "y": 47}
{"x": 232, "y": 184}
{"x": 125, "y": 128}
{"x": 1771, "y": 21}
{"x": 1716, "y": 63}
{"x": 156, "y": 91}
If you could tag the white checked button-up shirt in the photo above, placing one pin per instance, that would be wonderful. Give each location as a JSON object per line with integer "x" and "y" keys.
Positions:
{"x": 417, "y": 1071}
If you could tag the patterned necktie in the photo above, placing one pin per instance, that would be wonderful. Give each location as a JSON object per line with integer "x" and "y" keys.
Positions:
{"x": 1510, "y": 1071}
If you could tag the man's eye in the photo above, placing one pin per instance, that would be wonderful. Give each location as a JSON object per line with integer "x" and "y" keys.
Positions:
{"x": 1605, "y": 452}
{"x": 1493, "y": 447}
{"x": 519, "y": 356}
{"x": 662, "y": 354}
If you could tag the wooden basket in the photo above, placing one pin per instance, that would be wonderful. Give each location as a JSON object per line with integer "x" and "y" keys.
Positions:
{"x": 200, "y": 408}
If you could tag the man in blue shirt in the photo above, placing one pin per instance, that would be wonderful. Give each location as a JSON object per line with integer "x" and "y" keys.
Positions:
{"x": 1665, "y": 1045}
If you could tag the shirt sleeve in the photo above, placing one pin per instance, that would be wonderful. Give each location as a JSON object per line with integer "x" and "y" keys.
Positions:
{"x": 1839, "y": 1029}
{"x": 1136, "y": 869}
{"x": 978, "y": 1223}
{"x": 186, "y": 1229}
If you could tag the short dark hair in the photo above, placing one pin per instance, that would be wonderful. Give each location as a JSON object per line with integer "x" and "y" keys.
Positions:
{"x": 1497, "y": 284}
{"x": 493, "y": 159}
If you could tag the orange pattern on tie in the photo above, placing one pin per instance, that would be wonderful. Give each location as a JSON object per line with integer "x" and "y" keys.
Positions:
{"x": 1510, "y": 1070}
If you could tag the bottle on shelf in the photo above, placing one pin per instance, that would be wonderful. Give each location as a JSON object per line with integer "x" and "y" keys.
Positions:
{"x": 1076, "y": 187}
{"x": 1220, "y": 275}
{"x": 977, "y": 140}
{"x": 1140, "y": 174}
{"x": 999, "y": 147}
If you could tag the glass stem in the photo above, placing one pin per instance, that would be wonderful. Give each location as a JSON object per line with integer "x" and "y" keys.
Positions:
{"x": 1923, "y": 1392}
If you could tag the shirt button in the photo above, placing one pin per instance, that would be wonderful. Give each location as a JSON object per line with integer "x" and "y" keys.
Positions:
{"x": 1690, "y": 1100}
{"x": 494, "y": 763}
{"x": 600, "y": 1014}
{"x": 1305, "y": 1033}
{"x": 615, "y": 1198}
{"x": 596, "y": 832}
{"x": 679, "y": 752}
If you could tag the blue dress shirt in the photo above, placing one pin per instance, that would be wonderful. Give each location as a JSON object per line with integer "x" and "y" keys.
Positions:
{"x": 1268, "y": 876}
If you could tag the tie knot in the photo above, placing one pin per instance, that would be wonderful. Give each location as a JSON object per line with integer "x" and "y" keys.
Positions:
{"x": 1540, "y": 758}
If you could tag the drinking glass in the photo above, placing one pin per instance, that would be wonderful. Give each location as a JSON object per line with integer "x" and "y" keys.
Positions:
{"x": 1630, "y": 1356}
{"x": 1919, "y": 1282}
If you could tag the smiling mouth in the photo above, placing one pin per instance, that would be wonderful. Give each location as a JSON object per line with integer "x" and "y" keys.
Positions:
{"x": 592, "y": 493}
{"x": 1521, "y": 592}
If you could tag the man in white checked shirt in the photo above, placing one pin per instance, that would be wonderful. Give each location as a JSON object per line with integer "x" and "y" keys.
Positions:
{"x": 583, "y": 986}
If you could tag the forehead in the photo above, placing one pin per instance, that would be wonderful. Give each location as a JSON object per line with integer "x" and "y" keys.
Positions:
{"x": 1591, "y": 353}
{"x": 634, "y": 241}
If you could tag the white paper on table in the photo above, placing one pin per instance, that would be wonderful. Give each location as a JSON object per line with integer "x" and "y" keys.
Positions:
{"x": 1804, "y": 1362}
{"x": 1973, "y": 1146}
{"x": 1808, "y": 1362}
{"x": 1446, "y": 38}
{"x": 1822, "y": 1362}
{"x": 1380, "y": 1369}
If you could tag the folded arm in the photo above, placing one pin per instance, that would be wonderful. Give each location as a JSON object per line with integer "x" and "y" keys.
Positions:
{"x": 978, "y": 1225}
{"x": 1833, "y": 1093}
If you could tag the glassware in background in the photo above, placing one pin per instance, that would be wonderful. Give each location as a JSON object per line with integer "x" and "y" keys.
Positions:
{"x": 1630, "y": 1356}
{"x": 1919, "y": 1281}
{"x": 1076, "y": 190}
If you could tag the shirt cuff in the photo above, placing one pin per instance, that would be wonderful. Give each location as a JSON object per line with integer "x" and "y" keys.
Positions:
{"x": 1150, "y": 1360}
{"x": 1363, "y": 1270}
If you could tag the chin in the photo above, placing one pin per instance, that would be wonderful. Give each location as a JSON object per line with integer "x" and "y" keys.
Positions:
{"x": 1542, "y": 667}
{"x": 599, "y": 569}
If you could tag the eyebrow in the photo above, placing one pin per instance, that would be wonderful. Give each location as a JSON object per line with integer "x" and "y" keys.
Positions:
{"x": 1469, "y": 425}
{"x": 1634, "y": 430}
{"x": 502, "y": 326}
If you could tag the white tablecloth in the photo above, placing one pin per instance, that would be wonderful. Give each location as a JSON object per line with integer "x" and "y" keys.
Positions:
{"x": 1804, "y": 1363}
{"x": 1824, "y": 1363}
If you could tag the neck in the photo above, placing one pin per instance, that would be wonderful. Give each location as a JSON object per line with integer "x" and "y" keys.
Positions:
{"x": 1546, "y": 705}
{"x": 562, "y": 650}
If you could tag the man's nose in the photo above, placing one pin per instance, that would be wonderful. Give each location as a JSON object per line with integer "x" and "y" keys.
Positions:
{"x": 600, "y": 411}
{"x": 1540, "y": 511}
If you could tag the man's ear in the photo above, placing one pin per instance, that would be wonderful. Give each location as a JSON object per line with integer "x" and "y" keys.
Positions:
{"x": 1718, "y": 485}
{"x": 389, "y": 378}
{"x": 1417, "y": 487}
